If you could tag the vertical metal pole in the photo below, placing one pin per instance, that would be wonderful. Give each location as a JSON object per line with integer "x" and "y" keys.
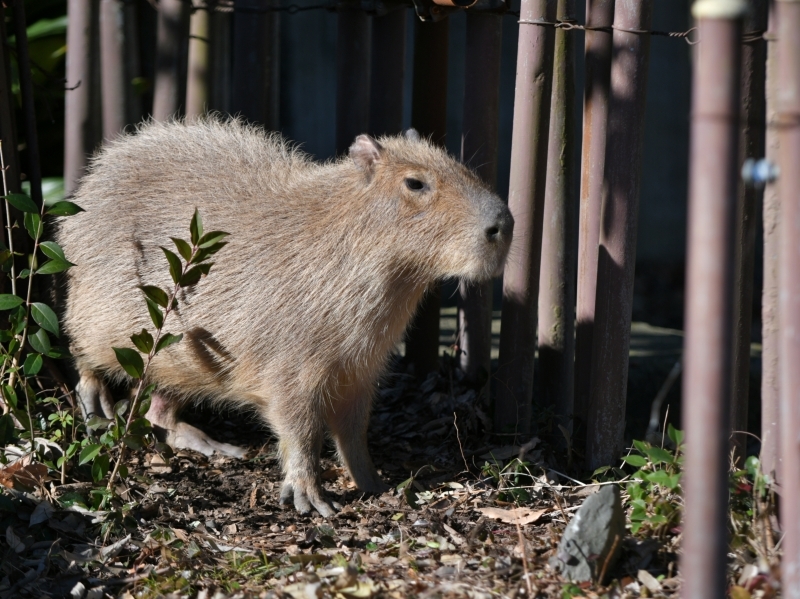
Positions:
{"x": 78, "y": 121}
{"x": 770, "y": 417}
{"x": 112, "y": 67}
{"x": 387, "y": 73}
{"x": 8, "y": 132}
{"x": 255, "y": 62}
{"x": 133, "y": 66}
{"x": 221, "y": 78}
{"x": 34, "y": 170}
{"x": 479, "y": 150}
{"x": 173, "y": 28}
{"x": 352, "y": 74}
{"x": 599, "y": 13}
{"x": 559, "y": 243}
{"x": 618, "y": 221}
{"x": 708, "y": 346}
{"x": 754, "y": 58}
{"x": 529, "y": 141}
{"x": 429, "y": 117}
{"x": 197, "y": 83}
{"x": 788, "y": 123}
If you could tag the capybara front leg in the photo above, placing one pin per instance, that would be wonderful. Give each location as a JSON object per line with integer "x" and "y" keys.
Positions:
{"x": 348, "y": 419}
{"x": 163, "y": 415}
{"x": 94, "y": 396}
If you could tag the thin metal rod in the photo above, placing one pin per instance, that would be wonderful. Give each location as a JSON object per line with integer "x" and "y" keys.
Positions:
{"x": 708, "y": 345}
{"x": 429, "y": 117}
{"x": 8, "y": 132}
{"x": 221, "y": 77}
{"x": 197, "y": 83}
{"x": 559, "y": 239}
{"x": 788, "y": 123}
{"x": 754, "y": 58}
{"x": 353, "y": 47}
{"x": 529, "y": 141}
{"x": 479, "y": 151}
{"x": 113, "y": 74}
{"x": 388, "y": 72}
{"x": 599, "y": 13}
{"x": 770, "y": 417}
{"x": 172, "y": 39}
{"x": 618, "y": 227}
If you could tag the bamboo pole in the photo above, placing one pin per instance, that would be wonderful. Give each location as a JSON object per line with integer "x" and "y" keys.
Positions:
{"x": 197, "y": 83}
{"x": 113, "y": 74}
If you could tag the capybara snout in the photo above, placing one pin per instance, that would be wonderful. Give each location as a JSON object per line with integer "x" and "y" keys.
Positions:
{"x": 326, "y": 264}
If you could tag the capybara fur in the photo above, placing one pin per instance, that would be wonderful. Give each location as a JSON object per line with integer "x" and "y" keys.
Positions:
{"x": 325, "y": 265}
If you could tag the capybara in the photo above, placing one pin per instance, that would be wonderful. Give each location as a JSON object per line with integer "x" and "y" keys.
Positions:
{"x": 325, "y": 265}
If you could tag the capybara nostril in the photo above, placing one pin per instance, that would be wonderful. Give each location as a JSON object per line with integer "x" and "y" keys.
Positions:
{"x": 492, "y": 233}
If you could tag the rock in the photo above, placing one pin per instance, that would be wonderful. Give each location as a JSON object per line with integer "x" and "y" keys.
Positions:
{"x": 597, "y": 528}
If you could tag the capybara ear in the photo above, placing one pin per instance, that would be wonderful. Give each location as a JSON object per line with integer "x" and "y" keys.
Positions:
{"x": 412, "y": 134}
{"x": 365, "y": 152}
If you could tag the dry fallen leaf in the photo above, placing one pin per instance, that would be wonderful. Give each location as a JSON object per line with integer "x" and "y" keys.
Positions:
{"x": 14, "y": 541}
{"x": 24, "y": 475}
{"x": 519, "y": 515}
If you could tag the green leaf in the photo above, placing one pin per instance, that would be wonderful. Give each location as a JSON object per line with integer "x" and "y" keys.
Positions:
{"x": 156, "y": 294}
{"x": 675, "y": 435}
{"x": 175, "y": 265}
{"x": 121, "y": 407}
{"x": 9, "y": 300}
{"x": 184, "y": 249}
{"x": 96, "y": 422}
{"x": 658, "y": 455}
{"x": 51, "y": 267}
{"x": 22, "y": 202}
{"x": 636, "y": 461}
{"x": 88, "y": 453}
{"x": 130, "y": 360}
{"x": 659, "y": 477}
{"x": 192, "y": 276}
{"x": 211, "y": 238}
{"x": 155, "y": 313}
{"x": 641, "y": 446}
{"x": 33, "y": 224}
{"x": 167, "y": 340}
{"x": 40, "y": 341}
{"x": 204, "y": 253}
{"x": 135, "y": 442}
{"x": 33, "y": 364}
{"x": 45, "y": 317}
{"x": 100, "y": 467}
{"x": 196, "y": 227}
{"x": 143, "y": 341}
{"x": 10, "y": 395}
{"x": 64, "y": 208}
{"x": 52, "y": 250}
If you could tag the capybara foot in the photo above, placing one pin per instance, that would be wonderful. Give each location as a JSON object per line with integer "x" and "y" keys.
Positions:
{"x": 305, "y": 496}
{"x": 186, "y": 436}
{"x": 370, "y": 482}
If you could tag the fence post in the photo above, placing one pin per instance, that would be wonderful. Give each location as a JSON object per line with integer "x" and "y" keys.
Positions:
{"x": 79, "y": 121}
{"x": 353, "y": 45}
{"x": 618, "y": 222}
{"x": 479, "y": 151}
{"x": 529, "y": 141}
{"x": 113, "y": 77}
{"x": 708, "y": 345}
{"x": 788, "y": 124}
{"x": 388, "y": 72}
{"x": 198, "y": 71}
{"x": 172, "y": 37}
{"x": 599, "y": 13}
{"x": 255, "y": 62}
{"x": 559, "y": 244}
{"x": 429, "y": 117}
{"x": 754, "y": 57}
{"x": 770, "y": 417}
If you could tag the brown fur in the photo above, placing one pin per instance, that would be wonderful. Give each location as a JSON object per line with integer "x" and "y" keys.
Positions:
{"x": 325, "y": 266}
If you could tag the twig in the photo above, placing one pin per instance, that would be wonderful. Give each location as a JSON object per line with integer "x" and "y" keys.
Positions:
{"x": 608, "y": 560}
{"x": 460, "y": 448}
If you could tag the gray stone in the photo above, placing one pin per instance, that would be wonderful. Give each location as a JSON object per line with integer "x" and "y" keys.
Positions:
{"x": 596, "y": 530}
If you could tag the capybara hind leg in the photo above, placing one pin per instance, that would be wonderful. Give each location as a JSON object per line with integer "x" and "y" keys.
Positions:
{"x": 348, "y": 420}
{"x": 163, "y": 415}
{"x": 93, "y": 396}
{"x": 300, "y": 444}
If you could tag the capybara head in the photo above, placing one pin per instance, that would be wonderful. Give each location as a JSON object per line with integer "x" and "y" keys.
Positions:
{"x": 446, "y": 220}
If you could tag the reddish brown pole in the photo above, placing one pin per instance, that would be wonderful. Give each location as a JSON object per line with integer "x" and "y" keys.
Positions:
{"x": 708, "y": 346}
{"x": 197, "y": 77}
{"x": 479, "y": 151}
{"x": 788, "y": 123}
{"x": 617, "y": 252}
{"x": 754, "y": 57}
{"x": 599, "y": 13}
{"x": 559, "y": 243}
{"x": 79, "y": 134}
{"x": 770, "y": 418}
{"x": 429, "y": 117}
{"x": 255, "y": 62}
{"x": 387, "y": 72}
{"x": 353, "y": 46}
{"x": 170, "y": 84}
{"x": 112, "y": 67}
{"x": 529, "y": 141}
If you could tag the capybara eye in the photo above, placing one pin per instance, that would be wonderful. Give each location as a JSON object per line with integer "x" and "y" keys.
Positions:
{"x": 414, "y": 184}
